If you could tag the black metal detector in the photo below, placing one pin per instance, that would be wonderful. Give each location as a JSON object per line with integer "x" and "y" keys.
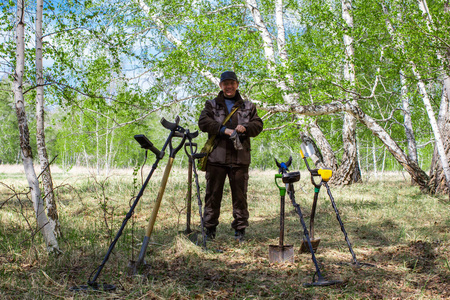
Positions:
{"x": 147, "y": 145}
{"x": 177, "y": 132}
{"x": 289, "y": 178}
{"x": 188, "y": 231}
{"x": 192, "y": 155}
{"x": 307, "y": 150}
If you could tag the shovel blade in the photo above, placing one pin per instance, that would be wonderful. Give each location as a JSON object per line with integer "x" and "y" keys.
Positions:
{"x": 281, "y": 253}
{"x": 304, "y": 248}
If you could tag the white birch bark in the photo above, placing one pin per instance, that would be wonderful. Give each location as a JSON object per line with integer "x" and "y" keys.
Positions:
{"x": 407, "y": 121}
{"x": 27, "y": 158}
{"x": 439, "y": 141}
{"x": 47, "y": 182}
{"x": 348, "y": 172}
{"x": 437, "y": 178}
{"x": 268, "y": 45}
{"x": 423, "y": 6}
{"x": 439, "y": 144}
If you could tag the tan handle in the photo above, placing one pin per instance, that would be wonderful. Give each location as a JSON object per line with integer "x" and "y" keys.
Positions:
{"x": 152, "y": 220}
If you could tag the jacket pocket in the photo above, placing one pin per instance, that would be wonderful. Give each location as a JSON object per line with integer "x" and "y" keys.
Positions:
{"x": 243, "y": 116}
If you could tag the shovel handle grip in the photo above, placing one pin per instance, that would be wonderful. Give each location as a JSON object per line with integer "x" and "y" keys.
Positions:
{"x": 281, "y": 188}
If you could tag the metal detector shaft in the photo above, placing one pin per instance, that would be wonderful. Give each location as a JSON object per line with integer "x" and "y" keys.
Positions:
{"x": 305, "y": 229}
{"x": 192, "y": 168}
{"x": 313, "y": 211}
{"x": 189, "y": 197}
{"x": 119, "y": 233}
{"x": 178, "y": 132}
{"x": 341, "y": 223}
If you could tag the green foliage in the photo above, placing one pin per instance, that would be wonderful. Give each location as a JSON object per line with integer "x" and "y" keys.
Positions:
{"x": 113, "y": 68}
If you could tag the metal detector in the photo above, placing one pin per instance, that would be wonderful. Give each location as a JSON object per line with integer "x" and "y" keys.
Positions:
{"x": 147, "y": 145}
{"x": 193, "y": 155}
{"x": 177, "y": 132}
{"x": 188, "y": 231}
{"x": 308, "y": 150}
{"x": 289, "y": 178}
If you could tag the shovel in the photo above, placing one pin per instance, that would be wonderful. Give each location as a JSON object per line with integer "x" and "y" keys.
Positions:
{"x": 177, "y": 132}
{"x": 192, "y": 155}
{"x": 281, "y": 252}
{"x": 304, "y": 248}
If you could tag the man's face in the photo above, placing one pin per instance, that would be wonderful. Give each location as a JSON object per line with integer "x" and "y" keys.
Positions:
{"x": 229, "y": 87}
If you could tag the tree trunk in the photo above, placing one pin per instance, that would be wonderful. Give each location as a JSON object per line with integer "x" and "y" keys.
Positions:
{"x": 418, "y": 175}
{"x": 437, "y": 177}
{"x": 329, "y": 159}
{"x": 439, "y": 141}
{"x": 423, "y": 91}
{"x": 407, "y": 121}
{"x": 349, "y": 171}
{"x": 27, "y": 158}
{"x": 51, "y": 209}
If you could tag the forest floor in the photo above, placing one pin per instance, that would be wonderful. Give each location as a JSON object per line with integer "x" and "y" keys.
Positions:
{"x": 402, "y": 233}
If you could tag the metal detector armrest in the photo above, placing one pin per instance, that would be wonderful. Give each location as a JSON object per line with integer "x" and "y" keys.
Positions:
{"x": 170, "y": 125}
{"x": 192, "y": 135}
{"x": 146, "y": 144}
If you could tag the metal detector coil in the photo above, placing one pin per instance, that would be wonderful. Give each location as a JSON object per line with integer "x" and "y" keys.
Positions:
{"x": 291, "y": 177}
{"x": 147, "y": 145}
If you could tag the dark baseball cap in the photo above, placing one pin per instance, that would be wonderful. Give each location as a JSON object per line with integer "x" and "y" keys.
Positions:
{"x": 228, "y": 75}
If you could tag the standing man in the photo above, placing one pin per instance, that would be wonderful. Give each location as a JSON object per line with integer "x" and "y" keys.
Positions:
{"x": 231, "y": 155}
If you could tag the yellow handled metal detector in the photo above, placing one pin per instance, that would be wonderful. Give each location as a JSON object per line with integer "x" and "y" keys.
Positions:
{"x": 308, "y": 150}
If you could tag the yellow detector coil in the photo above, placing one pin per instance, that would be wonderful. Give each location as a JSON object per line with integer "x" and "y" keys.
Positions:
{"x": 325, "y": 174}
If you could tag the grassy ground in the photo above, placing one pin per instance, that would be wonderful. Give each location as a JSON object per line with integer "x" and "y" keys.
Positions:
{"x": 391, "y": 225}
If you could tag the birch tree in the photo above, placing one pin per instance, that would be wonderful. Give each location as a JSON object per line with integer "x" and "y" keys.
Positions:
{"x": 424, "y": 93}
{"x": 47, "y": 181}
{"x": 441, "y": 135}
{"x": 348, "y": 171}
{"x": 26, "y": 152}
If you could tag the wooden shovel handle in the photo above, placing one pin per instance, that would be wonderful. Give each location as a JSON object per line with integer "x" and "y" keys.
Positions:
{"x": 162, "y": 188}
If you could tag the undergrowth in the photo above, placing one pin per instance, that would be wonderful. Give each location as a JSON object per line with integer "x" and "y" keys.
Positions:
{"x": 390, "y": 224}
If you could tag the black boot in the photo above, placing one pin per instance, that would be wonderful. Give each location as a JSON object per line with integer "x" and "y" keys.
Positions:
{"x": 239, "y": 235}
{"x": 210, "y": 233}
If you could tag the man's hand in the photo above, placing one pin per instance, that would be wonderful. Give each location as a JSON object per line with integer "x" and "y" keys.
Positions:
{"x": 239, "y": 129}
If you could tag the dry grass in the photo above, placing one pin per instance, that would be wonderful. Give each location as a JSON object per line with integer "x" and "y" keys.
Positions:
{"x": 390, "y": 224}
